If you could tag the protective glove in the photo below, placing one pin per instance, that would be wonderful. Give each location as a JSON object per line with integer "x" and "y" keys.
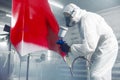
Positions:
{"x": 65, "y": 47}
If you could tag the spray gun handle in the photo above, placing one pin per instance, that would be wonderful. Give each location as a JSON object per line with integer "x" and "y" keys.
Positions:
{"x": 60, "y": 42}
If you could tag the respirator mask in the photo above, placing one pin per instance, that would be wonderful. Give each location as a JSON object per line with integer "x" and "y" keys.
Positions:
{"x": 69, "y": 20}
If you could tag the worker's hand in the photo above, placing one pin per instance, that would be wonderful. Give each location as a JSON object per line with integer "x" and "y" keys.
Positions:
{"x": 65, "y": 47}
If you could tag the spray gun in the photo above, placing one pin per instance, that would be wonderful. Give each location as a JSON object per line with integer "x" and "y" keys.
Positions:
{"x": 62, "y": 33}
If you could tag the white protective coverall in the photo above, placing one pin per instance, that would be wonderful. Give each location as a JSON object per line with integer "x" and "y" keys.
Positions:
{"x": 91, "y": 35}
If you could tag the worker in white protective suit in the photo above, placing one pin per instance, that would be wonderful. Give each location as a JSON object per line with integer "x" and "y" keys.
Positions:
{"x": 89, "y": 34}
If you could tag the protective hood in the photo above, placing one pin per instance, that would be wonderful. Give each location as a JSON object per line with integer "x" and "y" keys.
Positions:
{"x": 74, "y": 11}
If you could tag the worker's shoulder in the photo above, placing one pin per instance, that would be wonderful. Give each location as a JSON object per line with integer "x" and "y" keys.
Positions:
{"x": 92, "y": 16}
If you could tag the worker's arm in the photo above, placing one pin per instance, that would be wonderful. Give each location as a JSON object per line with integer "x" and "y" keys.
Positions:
{"x": 91, "y": 37}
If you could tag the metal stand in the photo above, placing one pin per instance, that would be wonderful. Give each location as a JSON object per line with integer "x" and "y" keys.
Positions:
{"x": 9, "y": 59}
{"x": 28, "y": 60}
